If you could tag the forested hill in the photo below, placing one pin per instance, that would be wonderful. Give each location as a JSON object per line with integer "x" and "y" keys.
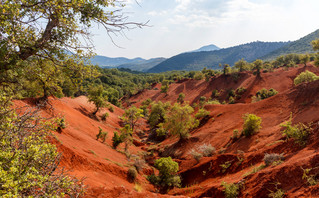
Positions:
{"x": 300, "y": 46}
{"x": 199, "y": 60}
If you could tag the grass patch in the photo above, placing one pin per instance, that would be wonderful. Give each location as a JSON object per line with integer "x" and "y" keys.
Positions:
{"x": 255, "y": 170}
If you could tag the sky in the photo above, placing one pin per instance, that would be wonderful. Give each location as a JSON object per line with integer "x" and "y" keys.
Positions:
{"x": 177, "y": 26}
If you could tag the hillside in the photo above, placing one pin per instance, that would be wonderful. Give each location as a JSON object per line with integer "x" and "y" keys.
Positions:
{"x": 211, "y": 47}
{"x": 104, "y": 61}
{"x": 300, "y": 46}
{"x": 142, "y": 66}
{"x": 106, "y": 169}
{"x": 199, "y": 60}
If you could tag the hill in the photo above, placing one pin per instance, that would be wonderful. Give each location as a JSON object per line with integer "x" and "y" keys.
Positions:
{"x": 300, "y": 46}
{"x": 142, "y": 65}
{"x": 211, "y": 47}
{"x": 104, "y": 61}
{"x": 211, "y": 59}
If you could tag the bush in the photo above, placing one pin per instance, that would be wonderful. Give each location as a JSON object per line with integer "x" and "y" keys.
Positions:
{"x": 111, "y": 109}
{"x": 180, "y": 98}
{"x": 201, "y": 114}
{"x": 199, "y": 76}
{"x": 231, "y": 190}
{"x": 272, "y": 158}
{"x": 264, "y": 93}
{"x": 306, "y": 76}
{"x": 299, "y": 132}
{"x": 207, "y": 150}
{"x": 241, "y": 90}
{"x": 117, "y": 139}
{"x": 231, "y": 100}
{"x": 212, "y": 102}
{"x": 251, "y": 124}
{"x": 167, "y": 170}
{"x": 102, "y": 134}
{"x": 215, "y": 93}
{"x": 104, "y": 116}
{"x": 132, "y": 174}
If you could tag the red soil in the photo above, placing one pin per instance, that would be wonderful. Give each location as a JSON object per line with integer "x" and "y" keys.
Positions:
{"x": 105, "y": 168}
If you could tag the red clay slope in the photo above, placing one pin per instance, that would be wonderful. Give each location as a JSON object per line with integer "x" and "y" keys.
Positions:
{"x": 204, "y": 179}
{"x": 104, "y": 168}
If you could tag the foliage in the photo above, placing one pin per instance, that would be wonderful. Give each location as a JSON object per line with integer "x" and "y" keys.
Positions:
{"x": 279, "y": 193}
{"x": 272, "y": 158}
{"x": 304, "y": 59}
{"x": 116, "y": 139}
{"x": 311, "y": 179}
{"x": 225, "y": 166}
{"x": 167, "y": 172}
{"x": 231, "y": 190}
{"x": 165, "y": 86}
{"x": 180, "y": 121}
{"x": 315, "y": 44}
{"x": 242, "y": 65}
{"x": 258, "y": 65}
{"x": 306, "y": 76}
{"x": 299, "y": 132}
{"x": 102, "y": 134}
{"x": 104, "y": 116}
{"x": 157, "y": 115}
{"x": 202, "y": 113}
{"x": 251, "y": 124}
{"x": 215, "y": 93}
{"x": 29, "y": 163}
{"x": 131, "y": 116}
{"x": 180, "y": 98}
{"x": 97, "y": 95}
{"x": 199, "y": 76}
{"x": 264, "y": 93}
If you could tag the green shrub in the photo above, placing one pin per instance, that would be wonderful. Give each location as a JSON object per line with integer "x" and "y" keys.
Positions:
{"x": 299, "y": 132}
{"x": 199, "y": 76}
{"x": 180, "y": 98}
{"x": 215, "y": 93}
{"x": 231, "y": 190}
{"x": 251, "y": 124}
{"x": 201, "y": 114}
{"x": 104, "y": 116}
{"x": 231, "y": 100}
{"x": 264, "y": 93}
{"x": 117, "y": 139}
{"x": 306, "y": 76}
{"x": 102, "y": 134}
{"x": 167, "y": 173}
{"x": 241, "y": 90}
{"x": 212, "y": 102}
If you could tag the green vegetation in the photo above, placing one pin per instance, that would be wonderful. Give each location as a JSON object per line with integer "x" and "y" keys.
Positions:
{"x": 263, "y": 94}
{"x": 29, "y": 163}
{"x": 311, "y": 179}
{"x": 255, "y": 170}
{"x": 202, "y": 113}
{"x": 299, "y": 132}
{"x": 167, "y": 173}
{"x": 180, "y": 98}
{"x": 179, "y": 121}
{"x": 131, "y": 116}
{"x": 132, "y": 174}
{"x": 97, "y": 95}
{"x": 116, "y": 139}
{"x": 230, "y": 190}
{"x": 306, "y": 76}
{"x": 258, "y": 65}
{"x": 225, "y": 166}
{"x": 101, "y": 135}
{"x": 251, "y": 124}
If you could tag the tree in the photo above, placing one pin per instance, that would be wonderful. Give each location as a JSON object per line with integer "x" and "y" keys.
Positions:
{"x": 97, "y": 95}
{"x": 179, "y": 121}
{"x": 158, "y": 112}
{"x": 45, "y": 28}
{"x": 165, "y": 86}
{"x": 132, "y": 115}
{"x": 304, "y": 59}
{"x": 29, "y": 164}
{"x": 306, "y": 76}
{"x": 242, "y": 65}
{"x": 167, "y": 172}
{"x": 226, "y": 69}
{"x": 315, "y": 44}
{"x": 180, "y": 98}
{"x": 258, "y": 65}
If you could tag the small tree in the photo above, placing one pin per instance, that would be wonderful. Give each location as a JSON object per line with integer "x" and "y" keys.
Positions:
{"x": 97, "y": 95}
{"x": 304, "y": 59}
{"x": 132, "y": 115}
{"x": 258, "y": 65}
{"x": 251, "y": 124}
{"x": 180, "y": 121}
{"x": 242, "y": 65}
{"x": 167, "y": 172}
{"x": 315, "y": 44}
{"x": 165, "y": 86}
{"x": 180, "y": 98}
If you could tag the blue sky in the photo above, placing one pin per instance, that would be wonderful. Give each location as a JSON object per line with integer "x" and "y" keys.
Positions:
{"x": 178, "y": 26}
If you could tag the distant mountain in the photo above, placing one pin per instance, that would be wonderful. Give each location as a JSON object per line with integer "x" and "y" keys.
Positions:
{"x": 143, "y": 65}
{"x": 211, "y": 59}
{"x": 104, "y": 61}
{"x": 207, "y": 48}
{"x": 300, "y": 46}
